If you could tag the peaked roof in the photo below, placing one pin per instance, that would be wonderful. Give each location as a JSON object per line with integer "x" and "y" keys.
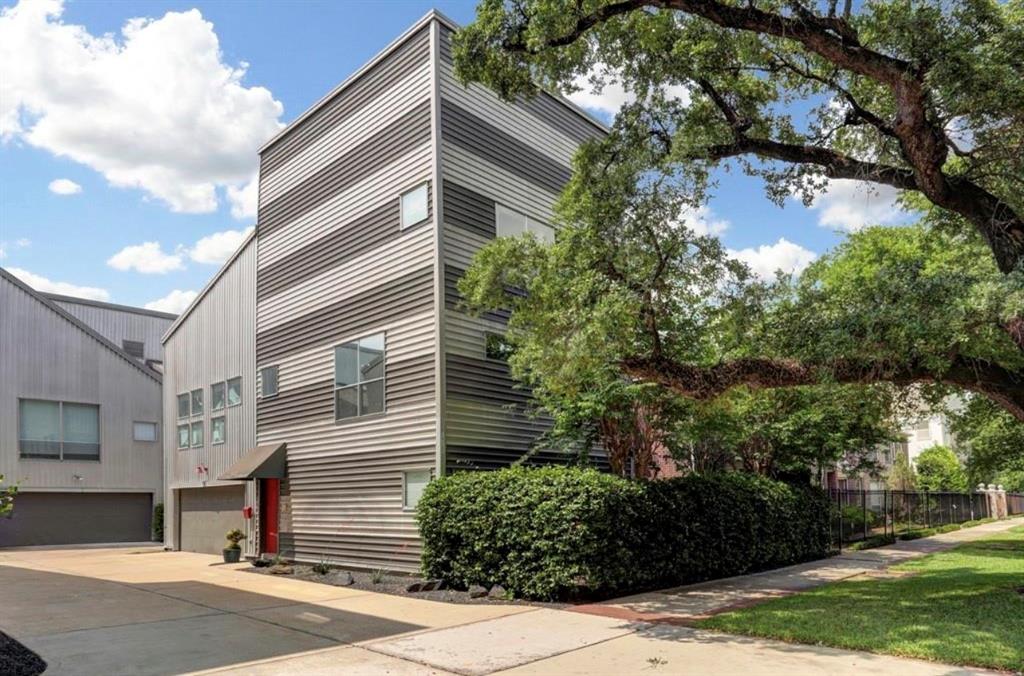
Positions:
{"x": 60, "y": 298}
{"x": 80, "y": 325}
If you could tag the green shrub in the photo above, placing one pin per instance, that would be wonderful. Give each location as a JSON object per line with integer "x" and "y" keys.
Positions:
{"x": 854, "y": 518}
{"x": 158, "y": 522}
{"x": 561, "y": 532}
{"x": 872, "y": 542}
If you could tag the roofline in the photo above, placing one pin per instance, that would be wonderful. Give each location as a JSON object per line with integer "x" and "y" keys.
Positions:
{"x": 108, "y": 306}
{"x": 92, "y": 333}
{"x": 209, "y": 285}
{"x": 432, "y": 15}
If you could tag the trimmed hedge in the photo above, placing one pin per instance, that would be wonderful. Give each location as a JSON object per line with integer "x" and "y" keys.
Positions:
{"x": 561, "y": 532}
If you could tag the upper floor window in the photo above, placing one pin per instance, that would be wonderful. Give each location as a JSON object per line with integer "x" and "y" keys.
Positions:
{"x": 183, "y": 405}
{"x": 511, "y": 223}
{"x": 359, "y": 377}
{"x": 218, "y": 430}
{"x": 144, "y": 431}
{"x": 134, "y": 348}
{"x": 218, "y": 396}
{"x": 234, "y": 391}
{"x": 497, "y": 347}
{"x": 58, "y": 430}
{"x": 183, "y": 432}
{"x": 268, "y": 381}
{"x": 414, "y": 206}
{"x": 197, "y": 402}
{"x": 197, "y": 434}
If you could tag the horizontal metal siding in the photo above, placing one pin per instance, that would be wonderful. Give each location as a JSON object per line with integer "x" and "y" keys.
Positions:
{"x": 469, "y": 210}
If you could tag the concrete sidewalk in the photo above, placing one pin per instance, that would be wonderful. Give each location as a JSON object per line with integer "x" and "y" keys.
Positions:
{"x": 685, "y": 605}
{"x": 144, "y": 611}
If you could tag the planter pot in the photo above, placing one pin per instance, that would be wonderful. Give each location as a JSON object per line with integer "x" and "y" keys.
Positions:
{"x": 232, "y": 555}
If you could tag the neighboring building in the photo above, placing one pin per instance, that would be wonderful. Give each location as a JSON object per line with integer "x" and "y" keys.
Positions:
{"x": 79, "y": 417}
{"x": 371, "y": 381}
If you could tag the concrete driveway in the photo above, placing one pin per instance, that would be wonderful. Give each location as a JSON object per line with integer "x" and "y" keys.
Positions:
{"x": 140, "y": 610}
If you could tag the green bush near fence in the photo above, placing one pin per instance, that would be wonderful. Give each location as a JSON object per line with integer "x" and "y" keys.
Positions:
{"x": 555, "y": 533}
{"x": 158, "y": 522}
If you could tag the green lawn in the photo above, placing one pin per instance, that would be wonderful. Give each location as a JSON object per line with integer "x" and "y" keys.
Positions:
{"x": 964, "y": 606}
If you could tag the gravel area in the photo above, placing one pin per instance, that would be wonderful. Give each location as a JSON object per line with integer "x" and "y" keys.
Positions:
{"x": 396, "y": 585}
{"x": 17, "y": 660}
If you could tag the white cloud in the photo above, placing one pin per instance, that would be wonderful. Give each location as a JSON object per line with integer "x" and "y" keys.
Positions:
{"x": 613, "y": 95}
{"x": 147, "y": 258}
{"x": 767, "y": 258}
{"x": 154, "y": 108}
{"x": 40, "y": 283}
{"x": 216, "y": 248}
{"x": 703, "y": 221}
{"x": 850, "y": 205}
{"x": 19, "y": 243}
{"x": 244, "y": 199}
{"x": 175, "y": 302}
{"x": 64, "y": 186}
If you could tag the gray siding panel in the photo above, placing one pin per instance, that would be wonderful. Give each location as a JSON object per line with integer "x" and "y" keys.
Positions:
{"x": 453, "y": 299}
{"x": 118, "y": 325}
{"x": 308, "y": 403}
{"x": 409, "y": 381}
{"x": 349, "y": 101}
{"x": 482, "y": 380}
{"x": 484, "y": 140}
{"x": 376, "y": 152}
{"x": 406, "y": 296}
{"x": 469, "y": 210}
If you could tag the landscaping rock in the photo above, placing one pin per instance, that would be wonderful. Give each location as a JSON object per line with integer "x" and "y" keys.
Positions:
{"x": 477, "y": 592}
{"x": 415, "y": 587}
{"x": 497, "y": 592}
{"x": 345, "y": 578}
{"x": 425, "y": 586}
{"x": 281, "y": 569}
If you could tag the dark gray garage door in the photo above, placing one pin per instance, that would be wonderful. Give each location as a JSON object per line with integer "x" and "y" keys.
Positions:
{"x": 77, "y": 518}
{"x": 207, "y": 514}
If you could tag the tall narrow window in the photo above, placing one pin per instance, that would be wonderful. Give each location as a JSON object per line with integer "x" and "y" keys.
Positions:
{"x": 268, "y": 381}
{"x": 234, "y": 391}
{"x": 183, "y": 405}
{"x": 183, "y": 438}
{"x": 197, "y": 434}
{"x": 413, "y": 484}
{"x": 414, "y": 206}
{"x": 218, "y": 430}
{"x": 218, "y": 396}
{"x": 359, "y": 377}
{"x": 197, "y": 402}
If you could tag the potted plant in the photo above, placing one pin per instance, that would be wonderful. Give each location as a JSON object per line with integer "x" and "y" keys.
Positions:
{"x": 233, "y": 550}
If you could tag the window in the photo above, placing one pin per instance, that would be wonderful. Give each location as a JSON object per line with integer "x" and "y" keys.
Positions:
{"x": 511, "y": 223}
{"x": 144, "y": 431}
{"x": 183, "y": 405}
{"x": 268, "y": 381}
{"x": 197, "y": 434}
{"x": 217, "y": 396}
{"x": 413, "y": 483}
{"x": 58, "y": 430}
{"x": 497, "y": 347}
{"x": 218, "y": 430}
{"x": 234, "y": 391}
{"x": 134, "y": 348}
{"x": 197, "y": 402}
{"x": 359, "y": 377}
{"x": 414, "y": 206}
{"x": 183, "y": 436}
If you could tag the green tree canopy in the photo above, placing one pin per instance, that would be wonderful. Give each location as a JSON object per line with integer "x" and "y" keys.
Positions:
{"x": 994, "y": 441}
{"x": 938, "y": 469}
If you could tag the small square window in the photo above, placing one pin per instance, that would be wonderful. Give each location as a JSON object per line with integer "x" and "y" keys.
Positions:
{"x": 197, "y": 434}
{"x": 134, "y": 348}
{"x": 183, "y": 405}
{"x": 413, "y": 484}
{"x": 197, "y": 402}
{"x": 218, "y": 430}
{"x": 414, "y": 206}
{"x": 183, "y": 437}
{"x": 234, "y": 391}
{"x": 144, "y": 431}
{"x": 268, "y": 381}
{"x": 218, "y": 397}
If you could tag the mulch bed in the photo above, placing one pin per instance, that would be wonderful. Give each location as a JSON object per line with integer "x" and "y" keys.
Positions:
{"x": 392, "y": 584}
{"x": 17, "y": 660}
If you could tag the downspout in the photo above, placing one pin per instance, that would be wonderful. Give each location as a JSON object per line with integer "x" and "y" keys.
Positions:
{"x": 440, "y": 403}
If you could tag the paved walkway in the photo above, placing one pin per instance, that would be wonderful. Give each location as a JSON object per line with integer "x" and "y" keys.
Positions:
{"x": 139, "y": 610}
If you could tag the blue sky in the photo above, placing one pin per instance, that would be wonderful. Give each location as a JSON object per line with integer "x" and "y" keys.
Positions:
{"x": 130, "y": 132}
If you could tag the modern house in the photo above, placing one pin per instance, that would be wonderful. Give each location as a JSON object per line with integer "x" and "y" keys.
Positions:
{"x": 340, "y": 316}
{"x": 80, "y": 417}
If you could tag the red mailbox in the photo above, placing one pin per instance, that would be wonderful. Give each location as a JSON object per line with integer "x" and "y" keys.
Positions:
{"x": 247, "y": 512}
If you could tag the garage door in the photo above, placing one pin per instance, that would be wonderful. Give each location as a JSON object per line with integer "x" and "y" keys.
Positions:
{"x": 77, "y": 518}
{"x": 206, "y": 514}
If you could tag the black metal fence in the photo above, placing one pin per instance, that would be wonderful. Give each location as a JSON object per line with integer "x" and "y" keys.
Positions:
{"x": 858, "y": 515}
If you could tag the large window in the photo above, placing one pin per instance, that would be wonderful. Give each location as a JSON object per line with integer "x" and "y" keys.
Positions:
{"x": 58, "y": 430}
{"x": 218, "y": 430}
{"x": 414, "y": 206}
{"x": 218, "y": 396}
{"x": 511, "y": 223}
{"x": 144, "y": 431}
{"x": 268, "y": 381}
{"x": 234, "y": 391}
{"x": 359, "y": 377}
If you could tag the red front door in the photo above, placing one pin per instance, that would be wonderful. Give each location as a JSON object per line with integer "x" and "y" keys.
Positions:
{"x": 270, "y": 493}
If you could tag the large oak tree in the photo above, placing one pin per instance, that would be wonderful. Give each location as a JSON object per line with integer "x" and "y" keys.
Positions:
{"x": 926, "y": 97}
